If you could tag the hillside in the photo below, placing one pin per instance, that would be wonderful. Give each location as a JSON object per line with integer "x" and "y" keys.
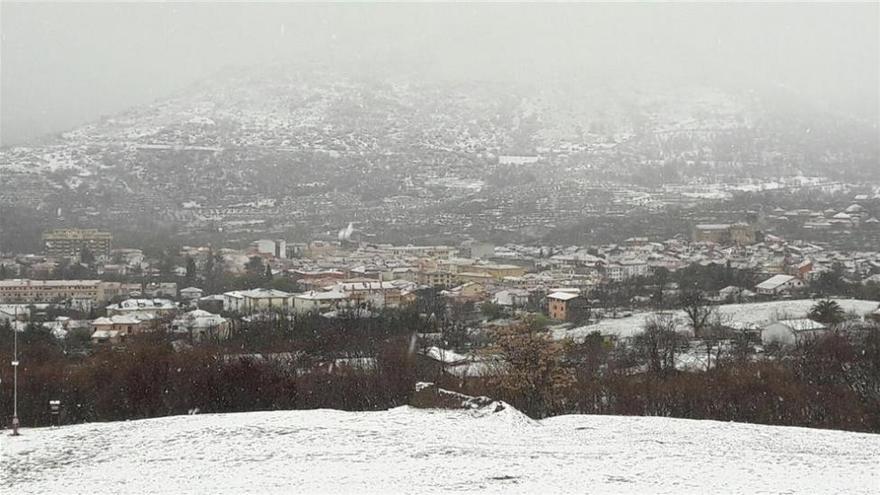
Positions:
{"x": 275, "y": 151}
{"x": 407, "y": 450}
{"x": 745, "y": 315}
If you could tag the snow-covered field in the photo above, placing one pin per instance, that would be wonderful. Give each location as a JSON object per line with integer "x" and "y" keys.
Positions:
{"x": 738, "y": 315}
{"x": 407, "y": 450}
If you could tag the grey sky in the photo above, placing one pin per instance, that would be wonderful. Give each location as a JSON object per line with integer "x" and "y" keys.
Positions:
{"x": 65, "y": 64}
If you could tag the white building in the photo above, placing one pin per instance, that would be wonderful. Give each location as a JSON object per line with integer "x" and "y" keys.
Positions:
{"x": 623, "y": 270}
{"x": 191, "y": 293}
{"x": 255, "y": 300}
{"x": 264, "y": 246}
{"x": 118, "y": 327}
{"x": 779, "y": 285}
{"x": 791, "y": 332}
{"x": 376, "y": 294}
{"x": 158, "y": 307}
{"x": 319, "y": 301}
{"x": 517, "y": 298}
{"x": 201, "y": 325}
{"x": 276, "y": 248}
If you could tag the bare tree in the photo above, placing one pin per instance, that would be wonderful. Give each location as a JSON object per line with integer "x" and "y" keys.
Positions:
{"x": 660, "y": 342}
{"x": 698, "y": 309}
{"x": 716, "y": 335}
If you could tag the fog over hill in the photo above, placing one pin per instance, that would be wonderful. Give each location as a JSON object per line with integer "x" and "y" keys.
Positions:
{"x": 297, "y": 147}
{"x": 65, "y": 65}
{"x": 419, "y": 122}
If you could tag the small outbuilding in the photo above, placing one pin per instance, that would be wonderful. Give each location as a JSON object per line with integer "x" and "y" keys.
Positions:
{"x": 791, "y": 332}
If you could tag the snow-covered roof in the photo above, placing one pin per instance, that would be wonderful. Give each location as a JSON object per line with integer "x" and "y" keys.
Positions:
{"x": 198, "y": 319}
{"x": 562, "y": 296}
{"x": 801, "y": 324}
{"x": 264, "y": 293}
{"x": 105, "y": 334}
{"x": 142, "y": 304}
{"x": 445, "y": 355}
{"x": 197, "y": 313}
{"x": 126, "y": 319}
{"x": 321, "y": 295}
{"x": 506, "y": 297}
{"x": 775, "y": 282}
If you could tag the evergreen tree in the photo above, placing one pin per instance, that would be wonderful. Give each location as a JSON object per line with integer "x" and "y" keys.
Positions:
{"x": 190, "y": 268}
{"x": 828, "y": 312}
{"x": 254, "y": 265}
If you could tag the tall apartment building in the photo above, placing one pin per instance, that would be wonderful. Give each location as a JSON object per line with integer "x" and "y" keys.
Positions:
{"x": 82, "y": 293}
{"x": 45, "y": 291}
{"x": 276, "y": 248}
{"x": 61, "y": 243}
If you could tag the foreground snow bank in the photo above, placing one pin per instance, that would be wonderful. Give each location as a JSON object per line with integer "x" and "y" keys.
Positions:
{"x": 408, "y": 450}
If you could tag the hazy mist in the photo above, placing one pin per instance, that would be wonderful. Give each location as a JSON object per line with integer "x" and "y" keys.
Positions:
{"x": 66, "y": 64}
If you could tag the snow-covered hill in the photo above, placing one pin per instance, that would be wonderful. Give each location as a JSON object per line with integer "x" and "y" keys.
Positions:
{"x": 746, "y": 315}
{"x": 408, "y": 450}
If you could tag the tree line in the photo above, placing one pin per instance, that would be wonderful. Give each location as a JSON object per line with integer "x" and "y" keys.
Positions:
{"x": 357, "y": 362}
{"x": 832, "y": 381}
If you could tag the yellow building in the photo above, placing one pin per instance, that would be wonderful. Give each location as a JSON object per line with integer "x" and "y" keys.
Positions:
{"x": 496, "y": 271}
{"x": 500, "y": 271}
{"x": 63, "y": 243}
{"x": 44, "y": 291}
{"x": 479, "y": 277}
{"x": 723, "y": 233}
{"x": 436, "y": 278}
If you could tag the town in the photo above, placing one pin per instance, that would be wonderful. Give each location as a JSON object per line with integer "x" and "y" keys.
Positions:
{"x": 717, "y": 291}
{"x": 428, "y": 247}
{"x": 202, "y": 292}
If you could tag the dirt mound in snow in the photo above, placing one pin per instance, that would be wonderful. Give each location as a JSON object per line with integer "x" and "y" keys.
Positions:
{"x": 430, "y": 396}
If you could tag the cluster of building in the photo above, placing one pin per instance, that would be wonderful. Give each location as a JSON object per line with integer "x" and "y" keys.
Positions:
{"x": 854, "y": 216}
{"x": 83, "y": 295}
{"x": 352, "y": 275}
{"x": 124, "y": 319}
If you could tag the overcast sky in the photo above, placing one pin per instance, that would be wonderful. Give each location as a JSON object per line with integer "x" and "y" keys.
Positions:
{"x": 65, "y": 64}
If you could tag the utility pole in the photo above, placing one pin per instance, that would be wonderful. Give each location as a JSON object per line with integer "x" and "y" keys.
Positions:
{"x": 15, "y": 374}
